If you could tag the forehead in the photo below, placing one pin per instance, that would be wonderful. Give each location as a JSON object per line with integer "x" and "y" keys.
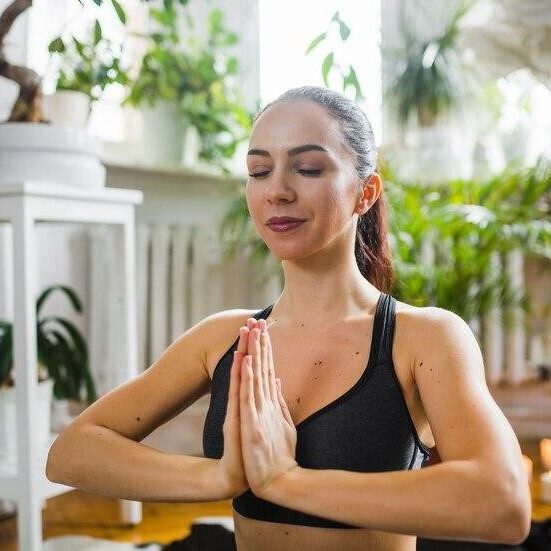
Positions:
{"x": 289, "y": 124}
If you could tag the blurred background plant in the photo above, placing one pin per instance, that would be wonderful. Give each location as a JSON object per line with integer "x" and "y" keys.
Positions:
{"x": 330, "y": 64}
{"x": 197, "y": 75}
{"x": 62, "y": 352}
{"x": 430, "y": 77}
{"x": 88, "y": 65}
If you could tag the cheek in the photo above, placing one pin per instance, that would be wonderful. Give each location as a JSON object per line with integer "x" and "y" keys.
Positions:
{"x": 253, "y": 197}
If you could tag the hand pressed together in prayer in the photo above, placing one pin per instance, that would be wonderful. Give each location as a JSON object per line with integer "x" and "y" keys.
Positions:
{"x": 267, "y": 434}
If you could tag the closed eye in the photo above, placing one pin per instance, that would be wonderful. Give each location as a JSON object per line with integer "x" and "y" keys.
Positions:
{"x": 316, "y": 172}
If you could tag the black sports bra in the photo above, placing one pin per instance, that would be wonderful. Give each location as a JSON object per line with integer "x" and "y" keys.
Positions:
{"x": 366, "y": 429}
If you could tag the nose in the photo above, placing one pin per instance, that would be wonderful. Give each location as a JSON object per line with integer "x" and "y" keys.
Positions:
{"x": 278, "y": 189}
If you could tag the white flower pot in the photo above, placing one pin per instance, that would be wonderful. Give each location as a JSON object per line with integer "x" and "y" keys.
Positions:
{"x": 8, "y": 423}
{"x": 67, "y": 108}
{"x": 48, "y": 153}
{"x": 162, "y": 133}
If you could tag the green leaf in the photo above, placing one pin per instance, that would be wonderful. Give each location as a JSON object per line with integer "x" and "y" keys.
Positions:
{"x": 98, "y": 2}
{"x": 315, "y": 42}
{"x": 344, "y": 30}
{"x": 352, "y": 80}
{"x": 6, "y": 354}
{"x": 97, "y": 32}
{"x": 70, "y": 293}
{"x": 165, "y": 18}
{"x": 326, "y": 67}
{"x": 121, "y": 14}
{"x": 56, "y": 45}
{"x": 215, "y": 22}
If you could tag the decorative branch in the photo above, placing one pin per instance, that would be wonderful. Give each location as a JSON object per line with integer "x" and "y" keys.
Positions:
{"x": 28, "y": 106}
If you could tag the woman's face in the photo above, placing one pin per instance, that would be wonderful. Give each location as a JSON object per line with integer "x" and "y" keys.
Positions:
{"x": 317, "y": 184}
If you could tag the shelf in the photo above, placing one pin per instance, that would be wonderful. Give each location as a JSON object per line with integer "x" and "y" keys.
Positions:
{"x": 184, "y": 172}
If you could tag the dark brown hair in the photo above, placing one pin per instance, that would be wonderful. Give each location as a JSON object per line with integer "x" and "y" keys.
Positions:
{"x": 372, "y": 249}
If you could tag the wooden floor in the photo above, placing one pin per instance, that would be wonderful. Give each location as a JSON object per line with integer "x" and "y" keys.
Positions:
{"x": 81, "y": 513}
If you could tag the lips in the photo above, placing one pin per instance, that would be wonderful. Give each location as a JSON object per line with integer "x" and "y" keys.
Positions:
{"x": 283, "y": 220}
{"x": 286, "y": 226}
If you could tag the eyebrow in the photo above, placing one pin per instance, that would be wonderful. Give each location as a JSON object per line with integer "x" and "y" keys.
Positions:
{"x": 290, "y": 152}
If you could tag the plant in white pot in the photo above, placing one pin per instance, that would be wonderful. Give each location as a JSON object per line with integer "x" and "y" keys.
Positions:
{"x": 84, "y": 68}
{"x": 63, "y": 372}
{"x": 31, "y": 149}
{"x": 188, "y": 85}
{"x": 428, "y": 85}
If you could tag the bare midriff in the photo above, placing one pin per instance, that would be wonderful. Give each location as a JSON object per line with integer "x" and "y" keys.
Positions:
{"x": 259, "y": 535}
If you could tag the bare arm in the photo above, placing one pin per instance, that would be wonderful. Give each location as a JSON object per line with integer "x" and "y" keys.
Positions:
{"x": 479, "y": 492}
{"x": 100, "y": 460}
{"x": 100, "y": 451}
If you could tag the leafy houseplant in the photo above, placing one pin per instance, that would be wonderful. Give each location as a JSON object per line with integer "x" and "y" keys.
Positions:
{"x": 28, "y": 105}
{"x": 349, "y": 77}
{"x": 62, "y": 355}
{"x": 90, "y": 65}
{"x": 429, "y": 78}
{"x": 198, "y": 77}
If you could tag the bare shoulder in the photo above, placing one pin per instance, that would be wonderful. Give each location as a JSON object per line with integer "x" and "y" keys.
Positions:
{"x": 221, "y": 332}
{"x": 419, "y": 329}
{"x": 439, "y": 343}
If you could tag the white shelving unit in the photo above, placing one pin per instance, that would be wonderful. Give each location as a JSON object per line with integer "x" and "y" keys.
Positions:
{"x": 23, "y": 204}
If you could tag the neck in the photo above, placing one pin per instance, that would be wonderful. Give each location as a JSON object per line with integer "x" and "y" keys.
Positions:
{"x": 324, "y": 287}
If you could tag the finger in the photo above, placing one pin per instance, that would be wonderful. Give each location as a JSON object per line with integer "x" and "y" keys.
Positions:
{"x": 265, "y": 365}
{"x": 242, "y": 343}
{"x": 233, "y": 393}
{"x": 271, "y": 369}
{"x": 283, "y": 405}
{"x": 254, "y": 351}
{"x": 246, "y": 394}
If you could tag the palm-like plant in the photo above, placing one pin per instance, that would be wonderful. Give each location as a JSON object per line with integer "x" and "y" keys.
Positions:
{"x": 429, "y": 78}
{"x": 63, "y": 354}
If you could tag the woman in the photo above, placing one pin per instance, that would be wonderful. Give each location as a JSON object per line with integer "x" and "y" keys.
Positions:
{"x": 328, "y": 457}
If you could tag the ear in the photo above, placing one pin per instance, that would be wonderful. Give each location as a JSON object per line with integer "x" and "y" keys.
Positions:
{"x": 372, "y": 187}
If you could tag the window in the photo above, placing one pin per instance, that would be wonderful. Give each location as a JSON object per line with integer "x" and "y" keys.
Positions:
{"x": 288, "y": 26}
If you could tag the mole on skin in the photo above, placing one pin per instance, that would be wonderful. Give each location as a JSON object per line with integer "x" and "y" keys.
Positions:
{"x": 137, "y": 418}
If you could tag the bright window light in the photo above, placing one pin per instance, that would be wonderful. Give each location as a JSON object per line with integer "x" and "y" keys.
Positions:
{"x": 288, "y": 26}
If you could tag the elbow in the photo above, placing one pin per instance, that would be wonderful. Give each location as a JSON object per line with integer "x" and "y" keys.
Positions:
{"x": 55, "y": 470}
{"x": 51, "y": 471}
{"x": 520, "y": 524}
{"x": 517, "y": 518}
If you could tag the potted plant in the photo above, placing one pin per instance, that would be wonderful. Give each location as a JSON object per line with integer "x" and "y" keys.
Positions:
{"x": 428, "y": 83}
{"x": 185, "y": 83}
{"x": 84, "y": 69}
{"x": 62, "y": 370}
{"x": 31, "y": 149}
